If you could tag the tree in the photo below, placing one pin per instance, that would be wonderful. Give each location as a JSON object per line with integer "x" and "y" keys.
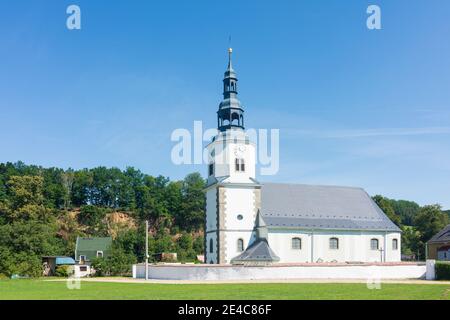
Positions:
{"x": 81, "y": 188}
{"x": 23, "y": 243}
{"x": 185, "y": 249}
{"x": 131, "y": 242}
{"x": 192, "y": 213}
{"x": 407, "y": 210}
{"x": 411, "y": 243}
{"x": 91, "y": 215}
{"x": 118, "y": 263}
{"x": 429, "y": 221}
{"x": 386, "y": 206}
{"x": 25, "y": 190}
{"x": 30, "y": 229}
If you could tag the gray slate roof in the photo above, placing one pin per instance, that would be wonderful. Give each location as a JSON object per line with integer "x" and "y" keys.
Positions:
{"x": 321, "y": 207}
{"x": 259, "y": 251}
{"x": 441, "y": 236}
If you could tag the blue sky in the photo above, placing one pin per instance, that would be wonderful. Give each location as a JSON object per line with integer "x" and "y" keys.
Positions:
{"x": 354, "y": 107}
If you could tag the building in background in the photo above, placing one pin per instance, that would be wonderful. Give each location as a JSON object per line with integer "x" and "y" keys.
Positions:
{"x": 439, "y": 245}
{"x": 86, "y": 249}
{"x": 51, "y": 263}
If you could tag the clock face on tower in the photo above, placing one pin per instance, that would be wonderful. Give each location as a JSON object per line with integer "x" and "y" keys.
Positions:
{"x": 239, "y": 151}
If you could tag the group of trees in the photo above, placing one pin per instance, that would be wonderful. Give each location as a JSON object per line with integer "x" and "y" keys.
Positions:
{"x": 418, "y": 223}
{"x": 42, "y": 211}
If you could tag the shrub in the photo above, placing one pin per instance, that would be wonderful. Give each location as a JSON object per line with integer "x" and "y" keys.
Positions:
{"x": 64, "y": 271}
{"x": 442, "y": 271}
{"x": 118, "y": 263}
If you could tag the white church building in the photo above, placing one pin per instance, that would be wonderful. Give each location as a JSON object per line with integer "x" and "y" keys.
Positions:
{"x": 254, "y": 223}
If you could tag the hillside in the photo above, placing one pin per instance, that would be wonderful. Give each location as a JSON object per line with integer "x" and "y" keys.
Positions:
{"x": 43, "y": 210}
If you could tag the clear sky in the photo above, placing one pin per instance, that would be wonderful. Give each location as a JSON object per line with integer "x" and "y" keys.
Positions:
{"x": 354, "y": 107}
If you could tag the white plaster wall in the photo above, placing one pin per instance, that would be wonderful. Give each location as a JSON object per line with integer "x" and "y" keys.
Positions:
{"x": 281, "y": 244}
{"x": 391, "y": 254}
{"x": 239, "y": 201}
{"x": 354, "y": 246}
{"x": 80, "y": 274}
{"x": 248, "y": 155}
{"x": 231, "y": 238}
{"x": 202, "y": 273}
{"x": 223, "y": 153}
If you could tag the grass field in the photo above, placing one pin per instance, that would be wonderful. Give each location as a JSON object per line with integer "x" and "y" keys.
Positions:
{"x": 44, "y": 290}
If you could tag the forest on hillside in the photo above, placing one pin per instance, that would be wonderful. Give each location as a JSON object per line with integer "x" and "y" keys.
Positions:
{"x": 43, "y": 210}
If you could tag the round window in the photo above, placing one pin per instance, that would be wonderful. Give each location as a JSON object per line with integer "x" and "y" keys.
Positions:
{"x": 240, "y": 217}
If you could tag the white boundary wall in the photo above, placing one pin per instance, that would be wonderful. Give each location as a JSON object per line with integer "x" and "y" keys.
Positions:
{"x": 286, "y": 272}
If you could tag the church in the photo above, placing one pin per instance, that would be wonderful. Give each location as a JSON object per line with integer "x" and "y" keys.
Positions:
{"x": 253, "y": 223}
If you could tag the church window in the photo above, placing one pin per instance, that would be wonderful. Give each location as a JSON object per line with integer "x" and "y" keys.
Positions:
{"x": 240, "y": 165}
{"x": 240, "y": 217}
{"x": 334, "y": 243}
{"x": 296, "y": 243}
{"x": 394, "y": 244}
{"x": 240, "y": 245}
{"x": 211, "y": 250}
{"x": 211, "y": 169}
{"x": 374, "y": 244}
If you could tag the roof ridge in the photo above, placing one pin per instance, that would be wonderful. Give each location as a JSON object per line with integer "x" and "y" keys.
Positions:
{"x": 311, "y": 185}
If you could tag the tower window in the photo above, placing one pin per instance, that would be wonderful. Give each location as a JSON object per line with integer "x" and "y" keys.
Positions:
{"x": 240, "y": 165}
{"x": 211, "y": 169}
{"x": 296, "y": 243}
{"x": 211, "y": 250}
{"x": 240, "y": 245}
{"x": 334, "y": 243}
{"x": 374, "y": 244}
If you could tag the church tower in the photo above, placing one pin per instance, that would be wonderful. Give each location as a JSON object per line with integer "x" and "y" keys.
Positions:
{"x": 233, "y": 196}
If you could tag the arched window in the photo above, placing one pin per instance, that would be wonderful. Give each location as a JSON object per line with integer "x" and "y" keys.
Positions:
{"x": 374, "y": 244}
{"x": 235, "y": 118}
{"x": 394, "y": 244}
{"x": 240, "y": 245}
{"x": 296, "y": 243}
{"x": 211, "y": 242}
{"x": 240, "y": 165}
{"x": 334, "y": 243}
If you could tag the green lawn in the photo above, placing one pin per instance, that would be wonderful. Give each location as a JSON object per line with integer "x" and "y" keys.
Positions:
{"x": 39, "y": 289}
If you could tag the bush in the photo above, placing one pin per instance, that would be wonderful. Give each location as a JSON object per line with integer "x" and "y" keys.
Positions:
{"x": 64, "y": 271}
{"x": 118, "y": 263}
{"x": 442, "y": 271}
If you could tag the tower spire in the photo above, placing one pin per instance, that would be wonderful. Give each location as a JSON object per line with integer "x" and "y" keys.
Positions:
{"x": 231, "y": 113}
